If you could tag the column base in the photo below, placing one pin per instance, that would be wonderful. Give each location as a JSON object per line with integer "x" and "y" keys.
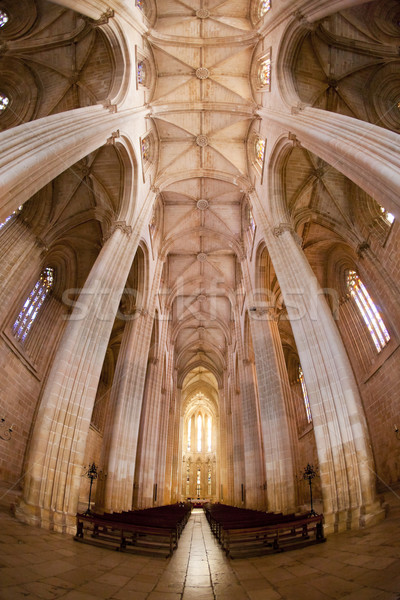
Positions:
{"x": 52, "y": 520}
{"x": 356, "y": 518}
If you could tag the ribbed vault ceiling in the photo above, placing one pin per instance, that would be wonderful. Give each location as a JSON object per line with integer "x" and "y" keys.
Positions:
{"x": 202, "y": 109}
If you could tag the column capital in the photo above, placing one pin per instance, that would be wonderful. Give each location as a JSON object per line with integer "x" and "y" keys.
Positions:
{"x": 280, "y": 229}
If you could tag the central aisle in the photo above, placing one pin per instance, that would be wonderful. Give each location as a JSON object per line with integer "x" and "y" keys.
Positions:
{"x": 201, "y": 565}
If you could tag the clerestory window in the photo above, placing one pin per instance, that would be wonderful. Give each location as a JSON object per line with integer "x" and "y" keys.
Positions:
{"x": 305, "y": 395}
{"x": 368, "y": 310}
{"x": 33, "y": 304}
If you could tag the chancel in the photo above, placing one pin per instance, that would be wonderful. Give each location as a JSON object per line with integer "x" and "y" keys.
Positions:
{"x": 199, "y": 283}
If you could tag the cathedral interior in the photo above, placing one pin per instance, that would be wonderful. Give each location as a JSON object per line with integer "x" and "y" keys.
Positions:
{"x": 200, "y": 272}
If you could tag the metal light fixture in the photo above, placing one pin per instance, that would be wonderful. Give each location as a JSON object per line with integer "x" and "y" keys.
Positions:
{"x": 92, "y": 472}
{"x": 6, "y": 434}
{"x": 308, "y": 474}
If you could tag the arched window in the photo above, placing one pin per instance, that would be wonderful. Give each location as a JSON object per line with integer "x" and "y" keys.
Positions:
{"x": 264, "y": 73}
{"x": 3, "y": 18}
{"x": 146, "y": 148}
{"x": 16, "y": 212}
{"x": 252, "y": 223}
{"x": 389, "y": 218}
{"x": 368, "y": 310}
{"x": 141, "y": 72}
{"x": 199, "y": 423}
{"x": 208, "y": 434}
{"x": 265, "y": 6}
{"x": 189, "y": 433}
{"x": 33, "y": 304}
{"x": 260, "y": 150}
{"x": 4, "y": 101}
{"x": 305, "y": 395}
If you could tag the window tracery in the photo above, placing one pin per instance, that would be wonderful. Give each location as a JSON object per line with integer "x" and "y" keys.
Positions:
{"x": 33, "y": 303}
{"x": 368, "y": 310}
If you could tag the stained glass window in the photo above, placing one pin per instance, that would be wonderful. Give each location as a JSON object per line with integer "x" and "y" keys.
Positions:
{"x": 33, "y": 303}
{"x": 141, "y": 72}
{"x": 3, "y": 102}
{"x": 265, "y": 5}
{"x": 252, "y": 222}
{"x": 264, "y": 73}
{"x": 139, "y": 4}
{"x": 387, "y": 215}
{"x": 260, "y": 149}
{"x": 11, "y": 216}
{"x": 368, "y": 310}
{"x": 305, "y": 395}
{"x": 3, "y": 18}
{"x": 198, "y": 483}
{"x": 199, "y": 422}
{"x": 145, "y": 149}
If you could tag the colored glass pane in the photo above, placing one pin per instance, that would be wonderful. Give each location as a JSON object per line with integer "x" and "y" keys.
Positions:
{"x": 3, "y": 102}
{"x": 265, "y": 5}
{"x": 141, "y": 72}
{"x": 33, "y": 304}
{"x": 260, "y": 149}
{"x": 305, "y": 395}
{"x": 145, "y": 149}
{"x": 368, "y": 310}
{"x": 265, "y": 73}
{"x": 3, "y": 18}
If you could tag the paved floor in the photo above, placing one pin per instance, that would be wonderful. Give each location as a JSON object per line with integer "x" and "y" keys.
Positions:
{"x": 37, "y": 564}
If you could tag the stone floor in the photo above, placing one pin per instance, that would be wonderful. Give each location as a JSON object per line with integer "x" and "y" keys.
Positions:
{"x": 361, "y": 565}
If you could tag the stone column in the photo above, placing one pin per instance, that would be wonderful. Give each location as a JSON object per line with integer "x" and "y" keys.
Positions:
{"x": 56, "y": 453}
{"x": 252, "y": 446}
{"x": 150, "y": 423}
{"x": 122, "y": 433}
{"x": 367, "y": 154}
{"x": 33, "y": 154}
{"x": 344, "y": 452}
{"x": 274, "y": 396}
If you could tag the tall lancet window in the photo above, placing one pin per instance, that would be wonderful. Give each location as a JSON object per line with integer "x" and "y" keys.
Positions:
{"x": 368, "y": 310}
{"x": 189, "y": 433}
{"x": 199, "y": 424}
{"x": 33, "y": 303}
{"x": 305, "y": 395}
{"x": 208, "y": 434}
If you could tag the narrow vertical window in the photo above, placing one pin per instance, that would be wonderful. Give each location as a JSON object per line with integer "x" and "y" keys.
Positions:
{"x": 368, "y": 310}
{"x": 3, "y": 18}
{"x": 11, "y": 216}
{"x": 33, "y": 304}
{"x": 198, "y": 482}
{"x": 305, "y": 395}
{"x": 145, "y": 149}
{"x": 265, "y": 6}
{"x": 199, "y": 423}
{"x": 4, "y": 100}
{"x": 209, "y": 434}
{"x": 209, "y": 481}
{"x": 260, "y": 150}
{"x": 389, "y": 217}
{"x": 252, "y": 223}
{"x": 264, "y": 73}
{"x": 141, "y": 72}
{"x": 189, "y": 433}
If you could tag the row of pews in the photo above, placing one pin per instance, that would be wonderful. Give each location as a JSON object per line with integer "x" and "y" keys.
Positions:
{"x": 244, "y": 532}
{"x": 152, "y": 531}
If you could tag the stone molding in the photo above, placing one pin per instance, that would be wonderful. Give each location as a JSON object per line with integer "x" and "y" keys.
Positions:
{"x": 282, "y": 228}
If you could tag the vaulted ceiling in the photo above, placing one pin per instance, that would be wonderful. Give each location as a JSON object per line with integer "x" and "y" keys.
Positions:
{"x": 202, "y": 109}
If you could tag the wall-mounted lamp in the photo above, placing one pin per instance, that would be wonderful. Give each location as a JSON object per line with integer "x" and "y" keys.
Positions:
{"x": 396, "y": 430}
{"x": 6, "y": 434}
